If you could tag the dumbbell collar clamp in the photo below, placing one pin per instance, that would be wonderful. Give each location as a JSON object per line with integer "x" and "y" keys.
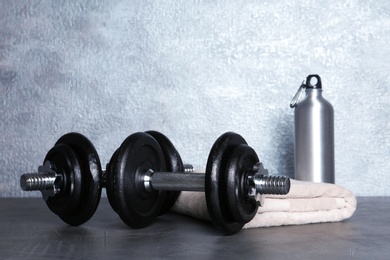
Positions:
{"x": 47, "y": 180}
{"x": 256, "y": 183}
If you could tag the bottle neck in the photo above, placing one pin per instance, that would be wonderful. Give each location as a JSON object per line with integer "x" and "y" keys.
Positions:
{"x": 314, "y": 92}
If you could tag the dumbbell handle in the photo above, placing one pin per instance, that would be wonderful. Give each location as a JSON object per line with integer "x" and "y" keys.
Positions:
{"x": 257, "y": 184}
{"x": 174, "y": 181}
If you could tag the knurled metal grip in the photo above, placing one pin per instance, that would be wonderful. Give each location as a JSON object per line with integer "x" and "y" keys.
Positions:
{"x": 174, "y": 181}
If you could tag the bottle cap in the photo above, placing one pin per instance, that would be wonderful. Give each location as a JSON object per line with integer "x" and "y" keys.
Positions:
{"x": 313, "y": 82}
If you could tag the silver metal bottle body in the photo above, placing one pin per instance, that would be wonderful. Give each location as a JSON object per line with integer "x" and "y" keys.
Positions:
{"x": 314, "y": 138}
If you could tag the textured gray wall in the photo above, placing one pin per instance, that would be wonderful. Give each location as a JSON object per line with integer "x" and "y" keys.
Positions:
{"x": 193, "y": 70}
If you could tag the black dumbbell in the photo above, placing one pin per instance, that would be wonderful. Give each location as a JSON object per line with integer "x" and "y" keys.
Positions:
{"x": 71, "y": 178}
{"x": 234, "y": 182}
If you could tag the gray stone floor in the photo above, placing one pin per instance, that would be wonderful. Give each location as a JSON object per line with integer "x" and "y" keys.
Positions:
{"x": 28, "y": 230}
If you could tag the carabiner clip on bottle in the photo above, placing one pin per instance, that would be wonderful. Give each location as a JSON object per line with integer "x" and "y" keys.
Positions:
{"x": 298, "y": 95}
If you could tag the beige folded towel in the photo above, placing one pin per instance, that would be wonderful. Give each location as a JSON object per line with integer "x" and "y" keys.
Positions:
{"x": 306, "y": 203}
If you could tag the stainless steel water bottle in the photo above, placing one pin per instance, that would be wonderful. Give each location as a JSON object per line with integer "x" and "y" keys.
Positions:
{"x": 314, "y": 133}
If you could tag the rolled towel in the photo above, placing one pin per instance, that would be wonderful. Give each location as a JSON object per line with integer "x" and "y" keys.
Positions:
{"x": 307, "y": 202}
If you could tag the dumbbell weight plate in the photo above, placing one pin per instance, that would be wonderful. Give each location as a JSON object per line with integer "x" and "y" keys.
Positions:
{"x": 110, "y": 170}
{"x": 173, "y": 163}
{"x": 91, "y": 175}
{"x": 136, "y": 206}
{"x": 216, "y": 183}
{"x": 241, "y": 161}
{"x": 64, "y": 160}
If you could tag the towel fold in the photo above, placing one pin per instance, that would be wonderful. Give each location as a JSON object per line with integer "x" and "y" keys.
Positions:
{"x": 306, "y": 203}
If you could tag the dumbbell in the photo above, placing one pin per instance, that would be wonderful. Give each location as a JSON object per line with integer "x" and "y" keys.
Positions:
{"x": 71, "y": 178}
{"x": 234, "y": 183}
